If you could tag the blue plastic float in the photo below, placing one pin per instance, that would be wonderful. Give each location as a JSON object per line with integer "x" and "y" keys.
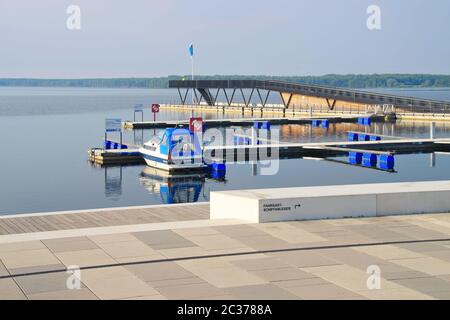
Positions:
{"x": 355, "y": 157}
{"x": 386, "y": 162}
{"x": 261, "y": 125}
{"x": 369, "y": 160}
{"x": 325, "y": 123}
{"x": 316, "y": 123}
{"x": 351, "y": 136}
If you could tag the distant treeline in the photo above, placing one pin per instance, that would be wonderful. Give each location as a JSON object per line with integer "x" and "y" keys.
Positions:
{"x": 350, "y": 81}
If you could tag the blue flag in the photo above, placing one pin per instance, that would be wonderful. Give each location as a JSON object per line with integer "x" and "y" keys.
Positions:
{"x": 191, "y": 50}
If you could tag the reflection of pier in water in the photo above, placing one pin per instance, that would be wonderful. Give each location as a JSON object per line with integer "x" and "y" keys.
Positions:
{"x": 113, "y": 182}
{"x": 180, "y": 188}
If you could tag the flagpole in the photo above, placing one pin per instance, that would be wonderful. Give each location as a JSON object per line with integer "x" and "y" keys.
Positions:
{"x": 192, "y": 78}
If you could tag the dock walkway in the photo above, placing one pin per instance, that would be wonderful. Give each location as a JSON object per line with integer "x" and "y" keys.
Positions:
{"x": 27, "y": 223}
{"x": 244, "y": 121}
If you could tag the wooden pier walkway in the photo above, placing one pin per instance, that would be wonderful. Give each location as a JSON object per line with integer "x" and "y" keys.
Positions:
{"x": 28, "y": 223}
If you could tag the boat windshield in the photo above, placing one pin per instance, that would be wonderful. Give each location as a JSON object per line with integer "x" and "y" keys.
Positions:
{"x": 156, "y": 139}
{"x": 182, "y": 141}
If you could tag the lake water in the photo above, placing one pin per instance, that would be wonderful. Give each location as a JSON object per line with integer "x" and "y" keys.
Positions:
{"x": 46, "y": 132}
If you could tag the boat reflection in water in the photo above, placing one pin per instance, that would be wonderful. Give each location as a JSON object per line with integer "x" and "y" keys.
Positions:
{"x": 178, "y": 188}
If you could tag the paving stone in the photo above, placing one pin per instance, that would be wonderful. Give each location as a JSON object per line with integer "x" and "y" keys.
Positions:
{"x": 261, "y": 292}
{"x": 388, "y": 252}
{"x": 264, "y": 242}
{"x": 163, "y": 239}
{"x": 441, "y": 295}
{"x": 273, "y": 275}
{"x": 301, "y": 282}
{"x": 352, "y": 257}
{"x": 215, "y": 242}
{"x": 153, "y": 297}
{"x": 205, "y": 231}
{"x": 70, "y": 244}
{"x": 396, "y": 275}
{"x": 84, "y": 258}
{"x": 159, "y": 271}
{"x": 9, "y": 290}
{"x": 114, "y": 237}
{"x": 128, "y": 249}
{"x": 259, "y": 264}
{"x": 378, "y": 233}
{"x": 55, "y": 281}
{"x": 241, "y": 230}
{"x": 326, "y": 291}
{"x": 395, "y": 294}
{"x": 425, "y": 285}
{"x": 289, "y": 233}
{"x": 417, "y": 232}
{"x": 175, "y": 282}
{"x": 192, "y": 291}
{"x": 420, "y": 247}
{"x": 3, "y": 270}
{"x": 221, "y": 274}
{"x": 21, "y": 246}
{"x": 38, "y": 269}
{"x": 28, "y": 258}
{"x": 441, "y": 254}
{"x": 81, "y": 294}
{"x": 304, "y": 258}
{"x": 428, "y": 265}
{"x": 347, "y": 277}
{"x": 115, "y": 283}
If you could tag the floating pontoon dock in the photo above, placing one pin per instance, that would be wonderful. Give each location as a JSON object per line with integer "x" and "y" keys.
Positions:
{"x": 286, "y": 150}
{"x": 244, "y": 122}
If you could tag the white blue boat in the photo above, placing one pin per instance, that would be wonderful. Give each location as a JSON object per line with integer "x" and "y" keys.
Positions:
{"x": 173, "y": 150}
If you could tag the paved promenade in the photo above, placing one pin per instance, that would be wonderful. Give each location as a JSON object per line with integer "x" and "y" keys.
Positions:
{"x": 229, "y": 259}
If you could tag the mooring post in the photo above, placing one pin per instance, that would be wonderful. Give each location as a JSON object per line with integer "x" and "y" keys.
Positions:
{"x": 432, "y": 129}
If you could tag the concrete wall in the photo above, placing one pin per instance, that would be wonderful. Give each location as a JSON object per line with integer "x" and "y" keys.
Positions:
{"x": 366, "y": 200}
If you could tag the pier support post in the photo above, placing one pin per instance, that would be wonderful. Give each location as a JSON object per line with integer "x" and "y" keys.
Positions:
{"x": 432, "y": 129}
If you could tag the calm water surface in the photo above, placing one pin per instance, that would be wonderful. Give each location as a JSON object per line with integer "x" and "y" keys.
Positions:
{"x": 46, "y": 132}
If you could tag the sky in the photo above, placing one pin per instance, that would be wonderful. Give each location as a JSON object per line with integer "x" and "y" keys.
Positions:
{"x": 146, "y": 38}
